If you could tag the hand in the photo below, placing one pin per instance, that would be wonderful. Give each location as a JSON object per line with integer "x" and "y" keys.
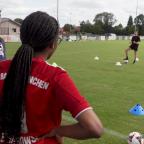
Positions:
{"x": 53, "y": 133}
{"x": 60, "y": 139}
{"x": 134, "y": 42}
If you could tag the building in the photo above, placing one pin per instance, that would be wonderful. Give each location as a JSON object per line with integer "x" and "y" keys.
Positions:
{"x": 9, "y": 27}
{"x": 9, "y": 30}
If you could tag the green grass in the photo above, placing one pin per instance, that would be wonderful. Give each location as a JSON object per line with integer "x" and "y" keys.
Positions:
{"x": 110, "y": 89}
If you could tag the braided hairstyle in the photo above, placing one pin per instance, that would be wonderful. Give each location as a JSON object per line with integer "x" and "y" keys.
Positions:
{"x": 38, "y": 31}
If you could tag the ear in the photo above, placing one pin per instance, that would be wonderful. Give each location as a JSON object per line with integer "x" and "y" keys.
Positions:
{"x": 51, "y": 45}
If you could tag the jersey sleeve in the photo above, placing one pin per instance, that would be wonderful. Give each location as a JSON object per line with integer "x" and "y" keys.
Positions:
{"x": 69, "y": 96}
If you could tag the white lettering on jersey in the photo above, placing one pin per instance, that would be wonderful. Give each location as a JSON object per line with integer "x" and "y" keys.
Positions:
{"x": 32, "y": 80}
{"x": 28, "y": 140}
{"x": 38, "y": 82}
{"x": 22, "y": 140}
{"x": 3, "y": 76}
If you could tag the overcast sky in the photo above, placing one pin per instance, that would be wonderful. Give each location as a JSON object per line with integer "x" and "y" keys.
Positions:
{"x": 72, "y": 11}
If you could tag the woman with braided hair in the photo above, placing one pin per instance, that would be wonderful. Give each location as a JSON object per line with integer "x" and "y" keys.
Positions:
{"x": 33, "y": 93}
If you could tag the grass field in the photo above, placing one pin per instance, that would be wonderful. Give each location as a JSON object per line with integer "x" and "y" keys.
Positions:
{"x": 110, "y": 89}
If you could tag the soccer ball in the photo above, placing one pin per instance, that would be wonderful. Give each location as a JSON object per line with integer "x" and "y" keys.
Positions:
{"x": 137, "y": 59}
{"x": 135, "y": 138}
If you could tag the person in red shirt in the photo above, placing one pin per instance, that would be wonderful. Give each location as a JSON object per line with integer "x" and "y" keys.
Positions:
{"x": 34, "y": 93}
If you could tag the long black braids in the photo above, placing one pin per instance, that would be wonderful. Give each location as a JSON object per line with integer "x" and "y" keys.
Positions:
{"x": 37, "y": 32}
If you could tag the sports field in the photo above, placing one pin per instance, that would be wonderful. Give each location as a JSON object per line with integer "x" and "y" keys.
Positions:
{"x": 111, "y": 90}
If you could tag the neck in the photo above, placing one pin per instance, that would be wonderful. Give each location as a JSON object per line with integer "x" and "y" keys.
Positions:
{"x": 37, "y": 54}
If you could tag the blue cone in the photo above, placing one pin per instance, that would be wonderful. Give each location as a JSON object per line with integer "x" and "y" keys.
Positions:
{"x": 137, "y": 110}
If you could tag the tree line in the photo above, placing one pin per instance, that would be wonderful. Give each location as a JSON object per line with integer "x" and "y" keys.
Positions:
{"x": 105, "y": 23}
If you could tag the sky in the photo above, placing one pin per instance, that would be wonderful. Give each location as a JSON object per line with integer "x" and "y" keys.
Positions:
{"x": 73, "y": 11}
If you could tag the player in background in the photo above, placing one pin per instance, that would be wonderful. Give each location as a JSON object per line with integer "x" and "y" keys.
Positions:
{"x": 2, "y": 49}
{"x": 133, "y": 46}
{"x": 34, "y": 93}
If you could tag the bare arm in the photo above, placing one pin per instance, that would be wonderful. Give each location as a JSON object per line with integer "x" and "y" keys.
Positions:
{"x": 136, "y": 42}
{"x": 88, "y": 126}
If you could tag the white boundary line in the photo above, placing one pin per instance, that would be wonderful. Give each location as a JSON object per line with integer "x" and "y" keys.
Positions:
{"x": 115, "y": 133}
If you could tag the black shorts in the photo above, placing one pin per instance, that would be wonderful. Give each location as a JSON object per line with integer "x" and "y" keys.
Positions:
{"x": 134, "y": 47}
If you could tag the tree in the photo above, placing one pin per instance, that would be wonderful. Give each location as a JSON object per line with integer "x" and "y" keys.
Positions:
{"x": 98, "y": 29}
{"x": 130, "y": 26}
{"x": 68, "y": 28}
{"x": 139, "y": 22}
{"x": 118, "y": 30}
{"x": 106, "y": 20}
{"x": 82, "y": 26}
{"x": 89, "y": 27}
{"x": 86, "y": 27}
{"x": 130, "y": 21}
{"x": 18, "y": 20}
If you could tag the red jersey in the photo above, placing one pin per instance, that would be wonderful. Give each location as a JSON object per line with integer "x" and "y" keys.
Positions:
{"x": 50, "y": 90}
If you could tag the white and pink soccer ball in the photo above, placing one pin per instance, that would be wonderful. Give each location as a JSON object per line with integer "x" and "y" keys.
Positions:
{"x": 135, "y": 138}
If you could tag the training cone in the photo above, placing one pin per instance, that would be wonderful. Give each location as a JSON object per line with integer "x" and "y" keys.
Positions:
{"x": 118, "y": 64}
{"x": 96, "y": 58}
{"x": 137, "y": 110}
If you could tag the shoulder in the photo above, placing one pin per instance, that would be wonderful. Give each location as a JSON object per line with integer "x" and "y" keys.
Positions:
{"x": 56, "y": 69}
{"x": 4, "y": 64}
{"x": 138, "y": 38}
{"x": 56, "y": 73}
{"x": 46, "y": 70}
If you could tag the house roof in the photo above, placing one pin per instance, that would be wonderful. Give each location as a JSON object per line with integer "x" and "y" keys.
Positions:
{"x": 2, "y": 20}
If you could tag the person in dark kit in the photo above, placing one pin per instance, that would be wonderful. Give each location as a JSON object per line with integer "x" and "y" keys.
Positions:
{"x": 134, "y": 46}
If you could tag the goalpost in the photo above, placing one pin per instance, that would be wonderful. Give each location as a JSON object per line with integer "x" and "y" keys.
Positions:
{"x": 136, "y": 16}
{"x": 58, "y": 10}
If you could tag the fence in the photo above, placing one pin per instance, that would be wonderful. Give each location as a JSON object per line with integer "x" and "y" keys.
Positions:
{"x": 97, "y": 37}
{"x": 16, "y": 38}
{"x": 10, "y": 38}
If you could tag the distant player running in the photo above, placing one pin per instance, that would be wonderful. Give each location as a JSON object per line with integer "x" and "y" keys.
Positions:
{"x": 134, "y": 46}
